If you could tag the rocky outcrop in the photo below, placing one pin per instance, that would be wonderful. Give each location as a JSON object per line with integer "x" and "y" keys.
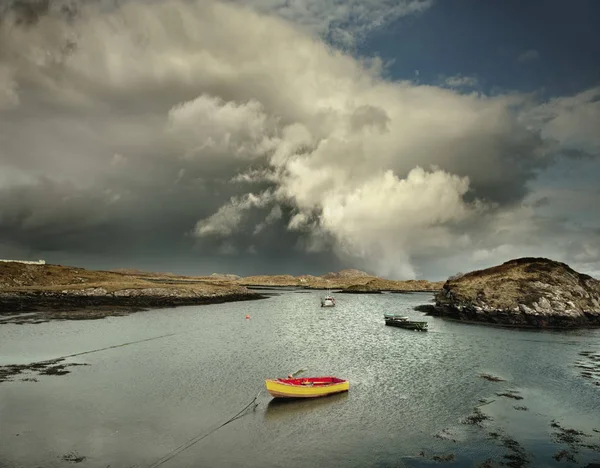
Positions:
{"x": 347, "y": 273}
{"x": 369, "y": 288}
{"x": 526, "y": 292}
{"x": 269, "y": 280}
{"x": 37, "y": 288}
{"x": 225, "y": 276}
{"x": 406, "y": 286}
{"x": 378, "y": 285}
{"x": 129, "y": 298}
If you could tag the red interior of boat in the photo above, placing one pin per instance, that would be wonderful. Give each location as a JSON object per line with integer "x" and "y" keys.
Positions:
{"x": 314, "y": 381}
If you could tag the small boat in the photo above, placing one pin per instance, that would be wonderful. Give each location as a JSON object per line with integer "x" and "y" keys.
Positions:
{"x": 328, "y": 300}
{"x": 307, "y": 387}
{"x": 400, "y": 321}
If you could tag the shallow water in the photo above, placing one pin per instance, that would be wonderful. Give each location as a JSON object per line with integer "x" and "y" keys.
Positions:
{"x": 409, "y": 391}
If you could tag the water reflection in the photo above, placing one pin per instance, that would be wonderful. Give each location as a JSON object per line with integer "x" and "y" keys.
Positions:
{"x": 279, "y": 408}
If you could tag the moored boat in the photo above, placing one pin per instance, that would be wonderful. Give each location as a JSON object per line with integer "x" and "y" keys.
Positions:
{"x": 400, "y": 321}
{"x": 307, "y": 387}
{"x": 328, "y": 301}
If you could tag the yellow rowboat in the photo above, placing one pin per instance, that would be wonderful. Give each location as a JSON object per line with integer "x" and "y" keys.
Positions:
{"x": 308, "y": 387}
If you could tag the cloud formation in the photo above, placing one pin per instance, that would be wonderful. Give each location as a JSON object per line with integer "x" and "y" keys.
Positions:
{"x": 344, "y": 23}
{"x": 461, "y": 81}
{"x": 206, "y": 127}
{"x": 571, "y": 121}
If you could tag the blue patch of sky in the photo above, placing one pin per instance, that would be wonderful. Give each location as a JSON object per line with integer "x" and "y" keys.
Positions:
{"x": 485, "y": 39}
{"x": 569, "y": 172}
{"x": 570, "y": 189}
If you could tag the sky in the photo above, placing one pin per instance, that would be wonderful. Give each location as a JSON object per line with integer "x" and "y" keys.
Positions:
{"x": 406, "y": 138}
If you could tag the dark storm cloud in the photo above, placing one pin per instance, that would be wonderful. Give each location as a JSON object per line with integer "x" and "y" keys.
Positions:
{"x": 196, "y": 131}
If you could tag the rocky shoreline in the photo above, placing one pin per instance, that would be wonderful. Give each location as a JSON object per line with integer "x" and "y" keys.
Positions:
{"x": 97, "y": 303}
{"x": 32, "y": 294}
{"x": 508, "y": 319}
{"x": 136, "y": 299}
{"x": 523, "y": 293}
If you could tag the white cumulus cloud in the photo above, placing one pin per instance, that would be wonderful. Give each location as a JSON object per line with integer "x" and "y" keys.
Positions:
{"x": 237, "y": 123}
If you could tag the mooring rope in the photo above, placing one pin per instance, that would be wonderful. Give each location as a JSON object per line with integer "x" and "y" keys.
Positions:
{"x": 194, "y": 440}
{"x": 106, "y": 348}
{"x": 120, "y": 345}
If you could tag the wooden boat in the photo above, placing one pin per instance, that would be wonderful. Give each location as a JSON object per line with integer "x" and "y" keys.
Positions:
{"x": 307, "y": 387}
{"x": 400, "y": 321}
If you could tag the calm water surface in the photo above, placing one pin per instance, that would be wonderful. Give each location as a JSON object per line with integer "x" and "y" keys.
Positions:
{"x": 409, "y": 391}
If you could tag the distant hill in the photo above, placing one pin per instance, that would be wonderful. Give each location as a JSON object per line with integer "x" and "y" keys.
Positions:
{"x": 225, "y": 276}
{"x": 134, "y": 271}
{"x": 17, "y": 276}
{"x": 348, "y": 273}
{"x": 269, "y": 280}
{"x": 349, "y": 280}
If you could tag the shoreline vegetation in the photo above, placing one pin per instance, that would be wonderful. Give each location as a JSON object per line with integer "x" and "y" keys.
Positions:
{"x": 36, "y": 293}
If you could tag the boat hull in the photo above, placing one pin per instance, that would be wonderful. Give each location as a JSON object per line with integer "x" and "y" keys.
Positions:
{"x": 278, "y": 388}
{"x": 418, "y": 326}
{"x": 328, "y": 301}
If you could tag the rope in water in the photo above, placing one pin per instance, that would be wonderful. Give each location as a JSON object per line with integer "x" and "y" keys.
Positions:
{"x": 119, "y": 345}
{"x": 199, "y": 437}
{"x": 194, "y": 440}
{"x": 106, "y": 348}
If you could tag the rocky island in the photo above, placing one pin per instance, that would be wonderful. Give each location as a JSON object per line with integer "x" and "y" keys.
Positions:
{"x": 525, "y": 292}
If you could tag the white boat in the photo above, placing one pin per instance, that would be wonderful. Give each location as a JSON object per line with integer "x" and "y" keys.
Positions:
{"x": 328, "y": 300}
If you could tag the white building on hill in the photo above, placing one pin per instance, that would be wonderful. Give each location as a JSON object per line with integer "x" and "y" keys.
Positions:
{"x": 29, "y": 262}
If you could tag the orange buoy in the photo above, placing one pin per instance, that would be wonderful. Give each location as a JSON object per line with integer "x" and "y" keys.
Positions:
{"x": 247, "y": 316}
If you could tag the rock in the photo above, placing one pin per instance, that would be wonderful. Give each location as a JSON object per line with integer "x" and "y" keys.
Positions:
{"x": 348, "y": 273}
{"x": 444, "y": 458}
{"x": 73, "y": 457}
{"x": 369, "y": 288}
{"x": 525, "y": 292}
{"x": 227, "y": 276}
{"x": 491, "y": 378}
{"x": 544, "y": 304}
{"x": 526, "y": 310}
